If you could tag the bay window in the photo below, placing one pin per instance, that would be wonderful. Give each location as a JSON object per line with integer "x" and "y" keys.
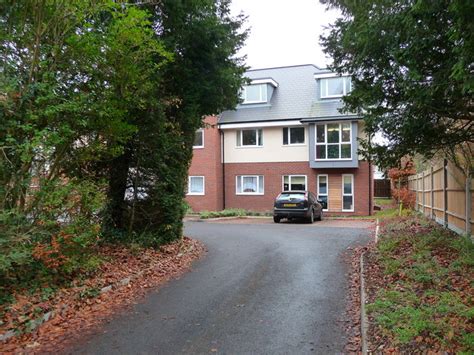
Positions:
{"x": 333, "y": 141}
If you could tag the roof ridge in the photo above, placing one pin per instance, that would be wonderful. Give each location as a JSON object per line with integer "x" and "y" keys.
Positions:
{"x": 287, "y": 66}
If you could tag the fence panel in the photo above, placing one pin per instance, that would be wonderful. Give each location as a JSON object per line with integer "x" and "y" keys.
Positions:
{"x": 442, "y": 193}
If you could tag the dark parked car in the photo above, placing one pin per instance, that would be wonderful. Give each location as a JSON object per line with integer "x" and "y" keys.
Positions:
{"x": 297, "y": 204}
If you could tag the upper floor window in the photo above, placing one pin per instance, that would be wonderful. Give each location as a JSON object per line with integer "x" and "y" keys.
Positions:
{"x": 250, "y": 138}
{"x": 199, "y": 139}
{"x": 335, "y": 87}
{"x": 252, "y": 94}
{"x": 333, "y": 141}
{"x": 293, "y": 135}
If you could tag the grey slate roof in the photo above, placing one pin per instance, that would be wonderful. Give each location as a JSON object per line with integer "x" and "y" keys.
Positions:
{"x": 297, "y": 97}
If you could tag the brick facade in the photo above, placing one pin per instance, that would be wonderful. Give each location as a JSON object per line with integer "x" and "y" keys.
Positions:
{"x": 207, "y": 162}
{"x": 273, "y": 174}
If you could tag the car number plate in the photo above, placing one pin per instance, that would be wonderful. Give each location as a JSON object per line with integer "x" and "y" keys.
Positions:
{"x": 289, "y": 205}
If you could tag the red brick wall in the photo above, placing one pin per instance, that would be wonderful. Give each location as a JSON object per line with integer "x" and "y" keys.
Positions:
{"x": 273, "y": 173}
{"x": 207, "y": 162}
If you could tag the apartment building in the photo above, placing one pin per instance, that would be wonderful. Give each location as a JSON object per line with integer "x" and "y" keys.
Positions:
{"x": 287, "y": 134}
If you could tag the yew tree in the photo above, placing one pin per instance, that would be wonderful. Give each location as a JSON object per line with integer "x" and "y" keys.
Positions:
{"x": 411, "y": 63}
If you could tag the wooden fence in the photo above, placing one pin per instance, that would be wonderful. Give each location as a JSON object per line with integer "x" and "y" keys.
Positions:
{"x": 382, "y": 188}
{"x": 444, "y": 194}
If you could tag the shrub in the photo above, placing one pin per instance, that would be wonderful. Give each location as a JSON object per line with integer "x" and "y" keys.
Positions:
{"x": 404, "y": 195}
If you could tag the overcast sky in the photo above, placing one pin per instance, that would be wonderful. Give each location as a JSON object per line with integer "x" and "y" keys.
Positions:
{"x": 284, "y": 32}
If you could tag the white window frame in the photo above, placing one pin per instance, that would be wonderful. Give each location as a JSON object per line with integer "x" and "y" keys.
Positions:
{"x": 263, "y": 94}
{"x": 326, "y": 141}
{"x": 327, "y": 190}
{"x": 346, "y": 86}
{"x": 351, "y": 194}
{"x": 203, "y": 186}
{"x": 241, "y": 177}
{"x": 289, "y": 136}
{"x": 202, "y": 133}
{"x": 289, "y": 182}
{"x": 257, "y": 140}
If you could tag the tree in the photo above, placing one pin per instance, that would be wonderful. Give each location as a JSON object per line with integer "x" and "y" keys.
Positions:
{"x": 411, "y": 65}
{"x": 203, "y": 78}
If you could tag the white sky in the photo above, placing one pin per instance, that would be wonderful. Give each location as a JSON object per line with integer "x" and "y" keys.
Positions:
{"x": 284, "y": 32}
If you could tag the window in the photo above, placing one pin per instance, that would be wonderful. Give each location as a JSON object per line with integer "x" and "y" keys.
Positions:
{"x": 293, "y": 135}
{"x": 323, "y": 190}
{"x": 333, "y": 141}
{"x": 196, "y": 185}
{"x": 249, "y": 185}
{"x": 199, "y": 139}
{"x": 335, "y": 87}
{"x": 294, "y": 183}
{"x": 348, "y": 193}
{"x": 252, "y": 94}
{"x": 250, "y": 138}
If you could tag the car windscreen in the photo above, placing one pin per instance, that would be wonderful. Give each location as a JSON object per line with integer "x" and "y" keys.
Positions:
{"x": 296, "y": 197}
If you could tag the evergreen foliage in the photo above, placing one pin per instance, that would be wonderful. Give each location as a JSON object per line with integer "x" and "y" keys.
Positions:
{"x": 99, "y": 102}
{"x": 411, "y": 65}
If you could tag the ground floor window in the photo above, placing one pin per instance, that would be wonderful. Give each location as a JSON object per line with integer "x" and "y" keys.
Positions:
{"x": 348, "y": 193}
{"x": 249, "y": 185}
{"x": 323, "y": 190}
{"x": 196, "y": 185}
{"x": 294, "y": 183}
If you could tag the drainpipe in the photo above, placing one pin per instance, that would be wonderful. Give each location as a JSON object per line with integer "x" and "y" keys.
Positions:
{"x": 223, "y": 168}
{"x": 370, "y": 180}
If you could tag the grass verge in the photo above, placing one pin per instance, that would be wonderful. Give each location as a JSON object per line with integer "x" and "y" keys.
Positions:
{"x": 420, "y": 286}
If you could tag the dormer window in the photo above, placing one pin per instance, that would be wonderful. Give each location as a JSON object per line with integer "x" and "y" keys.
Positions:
{"x": 254, "y": 94}
{"x": 333, "y": 85}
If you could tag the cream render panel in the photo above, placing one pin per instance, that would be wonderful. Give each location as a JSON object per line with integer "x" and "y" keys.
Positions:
{"x": 272, "y": 150}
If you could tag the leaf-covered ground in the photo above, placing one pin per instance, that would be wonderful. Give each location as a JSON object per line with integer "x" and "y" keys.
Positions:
{"x": 82, "y": 306}
{"x": 420, "y": 287}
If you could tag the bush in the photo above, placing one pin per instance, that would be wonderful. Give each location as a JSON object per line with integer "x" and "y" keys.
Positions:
{"x": 56, "y": 241}
{"x": 406, "y": 196}
{"x": 230, "y": 212}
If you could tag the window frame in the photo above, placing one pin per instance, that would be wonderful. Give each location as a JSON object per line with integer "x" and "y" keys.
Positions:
{"x": 241, "y": 177}
{"x": 344, "y": 194}
{"x": 259, "y": 138}
{"x": 326, "y": 141}
{"x": 289, "y": 128}
{"x": 201, "y": 130}
{"x": 263, "y": 94}
{"x": 346, "y": 86}
{"x": 327, "y": 189}
{"x": 203, "y": 186}
{"x": 289, "y": 182}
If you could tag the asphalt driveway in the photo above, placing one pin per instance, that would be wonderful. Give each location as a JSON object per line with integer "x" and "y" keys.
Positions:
{"x": 261, "y": 289}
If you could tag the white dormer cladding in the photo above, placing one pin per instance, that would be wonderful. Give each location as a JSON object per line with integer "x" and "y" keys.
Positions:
{"x": 259, "y": 91}
{"x": 333, "y": 85}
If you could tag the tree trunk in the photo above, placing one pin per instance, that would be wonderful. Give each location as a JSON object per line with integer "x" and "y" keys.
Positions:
{"x": 117, "y": 187}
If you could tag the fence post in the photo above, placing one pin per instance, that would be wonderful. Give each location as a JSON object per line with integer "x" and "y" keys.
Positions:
{"x": 468, "y": 204}
{"x": 432, "y": 193}
{"x": 445, "y": 192}
{"x": 423, "y": 193}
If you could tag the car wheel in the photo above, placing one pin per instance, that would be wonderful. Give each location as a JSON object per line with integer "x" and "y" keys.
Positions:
{"x": 311, "y": 217}
{"x": 276, "y": 219}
